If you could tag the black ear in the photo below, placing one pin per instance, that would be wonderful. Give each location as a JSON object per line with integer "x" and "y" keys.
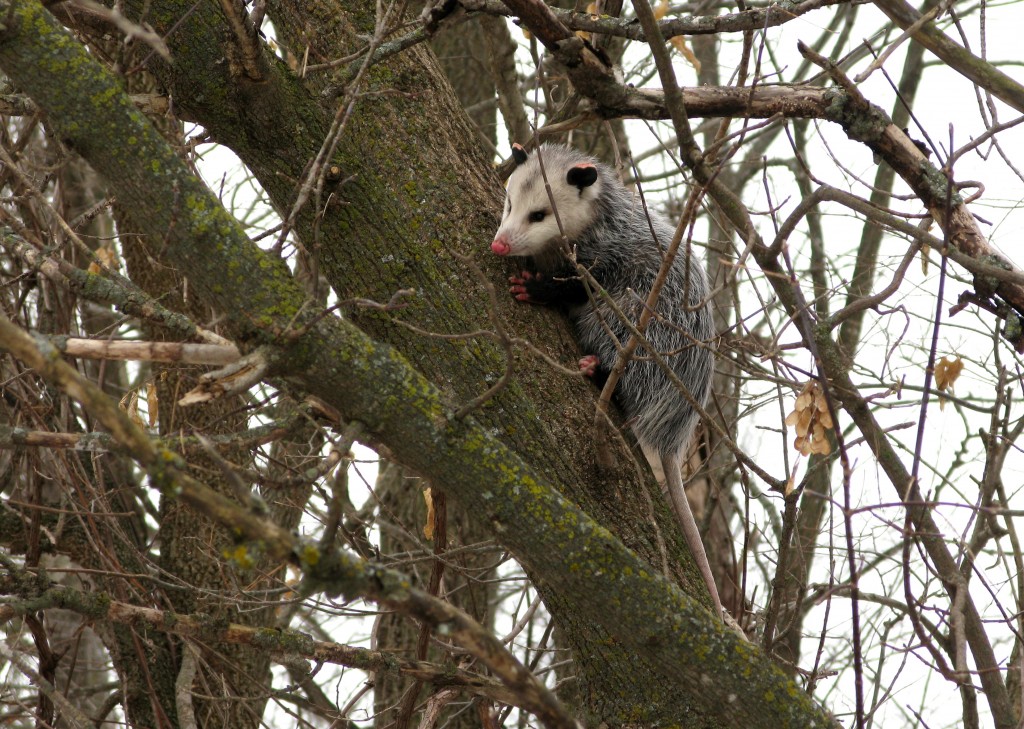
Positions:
{"x": 582, "y": 175}
{"x": 518, "y": 154}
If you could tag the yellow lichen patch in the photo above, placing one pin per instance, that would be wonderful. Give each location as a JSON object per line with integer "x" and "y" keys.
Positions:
{"x": 241, "y": 556}
{"x": 309, "y": 555}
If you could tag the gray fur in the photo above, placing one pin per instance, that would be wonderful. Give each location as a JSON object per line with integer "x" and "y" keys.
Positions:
{"x": 614, "y": 241}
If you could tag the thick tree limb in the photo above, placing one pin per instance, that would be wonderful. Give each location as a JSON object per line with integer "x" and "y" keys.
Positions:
{"x": 421, "y": 183}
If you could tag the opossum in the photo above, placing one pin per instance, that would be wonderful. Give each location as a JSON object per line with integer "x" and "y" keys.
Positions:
{"x": 622, "y": 245}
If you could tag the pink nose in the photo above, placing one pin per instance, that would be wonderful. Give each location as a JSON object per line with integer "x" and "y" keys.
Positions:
{"x": 501, "y": 247}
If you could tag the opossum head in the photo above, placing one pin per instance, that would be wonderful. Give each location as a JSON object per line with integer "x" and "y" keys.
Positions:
{"x": 529, "y": 225}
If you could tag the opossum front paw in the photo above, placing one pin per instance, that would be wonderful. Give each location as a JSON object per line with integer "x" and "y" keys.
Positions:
{"x": 588, "y": 364}
{"x": 520, "y": 288}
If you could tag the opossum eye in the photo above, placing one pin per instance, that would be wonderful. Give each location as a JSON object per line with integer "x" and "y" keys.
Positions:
{"x": 537, "y": 216}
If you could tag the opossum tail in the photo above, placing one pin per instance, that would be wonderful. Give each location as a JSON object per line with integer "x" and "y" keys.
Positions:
{"x": 672, "y": 466}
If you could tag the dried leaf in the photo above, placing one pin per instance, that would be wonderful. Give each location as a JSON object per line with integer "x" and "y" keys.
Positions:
{"x": 679, "y": 43}
{"x": 660, "y": 10}
{"x": 428, "y": 527}
{"x": 804, "y": 424}
{"x": 925, "y": 250}
{"x": 153, "y": 403}
{"x": 130, "y": 404}
{"x": 592, "y": 9}
{"x": 106, "y": 257}
{"x": 811, "y": 420}
{"x": 947, "y": 370}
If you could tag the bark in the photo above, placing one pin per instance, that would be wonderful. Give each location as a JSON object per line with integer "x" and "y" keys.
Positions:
{"x": 464, "y": 54}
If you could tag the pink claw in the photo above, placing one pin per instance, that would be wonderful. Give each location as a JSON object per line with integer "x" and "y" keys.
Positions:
{"x": 518, "y": 287}
{"x": 588, "y": 364}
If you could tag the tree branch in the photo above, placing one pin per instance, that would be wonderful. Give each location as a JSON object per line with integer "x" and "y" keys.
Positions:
{"x": 954, "y": 55}
{"x": 754, "y": 19}
{"x": 286, "y": 645}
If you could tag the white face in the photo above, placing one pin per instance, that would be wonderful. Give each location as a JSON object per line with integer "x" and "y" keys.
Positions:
{"x": 529, "y": 226}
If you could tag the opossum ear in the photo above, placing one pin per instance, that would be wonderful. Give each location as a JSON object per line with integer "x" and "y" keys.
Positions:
{"x": 518, "y": 154}
{"x": 582, "y": 175}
